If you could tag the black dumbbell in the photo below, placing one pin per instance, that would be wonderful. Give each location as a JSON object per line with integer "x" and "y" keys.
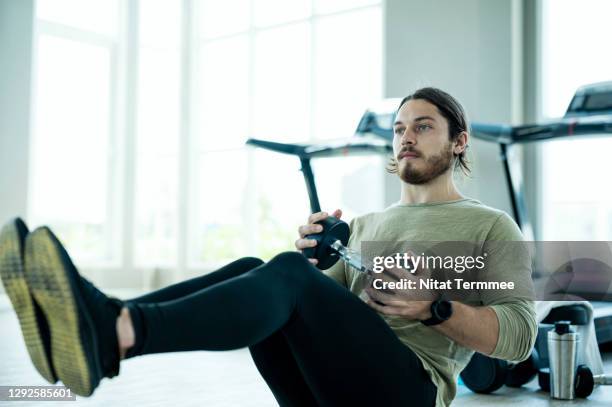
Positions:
{"x": 333, "y": 229}
{"x": 485, "y": 374}
{"x": 331, "y": 245}
{"x": 544, "y": 379}
{"x": 584, "y": 382}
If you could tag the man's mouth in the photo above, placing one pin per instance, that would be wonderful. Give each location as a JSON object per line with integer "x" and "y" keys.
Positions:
{"x": 408, "y": 155}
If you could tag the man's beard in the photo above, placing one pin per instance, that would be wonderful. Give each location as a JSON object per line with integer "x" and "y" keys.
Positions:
{"x": 434, "y": 167}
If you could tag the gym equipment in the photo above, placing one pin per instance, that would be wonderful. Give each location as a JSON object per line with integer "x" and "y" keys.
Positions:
{"x": 485, "y": 375}
{"x": 331, "y": 246}
{"x": 584, "y": 381}
{"x": 366, "y": 144}
{"x": 589, "y": 113}
{"x": 331, "y": 242}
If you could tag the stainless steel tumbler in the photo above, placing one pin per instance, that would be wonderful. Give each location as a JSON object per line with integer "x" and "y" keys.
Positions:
{"x": 562, "y": 352}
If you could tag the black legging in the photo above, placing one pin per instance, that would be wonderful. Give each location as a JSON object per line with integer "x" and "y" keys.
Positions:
{"x": 313, "y": 341}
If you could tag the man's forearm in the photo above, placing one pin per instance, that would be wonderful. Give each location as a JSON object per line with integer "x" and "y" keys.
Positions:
{"x": 473, "y": 327}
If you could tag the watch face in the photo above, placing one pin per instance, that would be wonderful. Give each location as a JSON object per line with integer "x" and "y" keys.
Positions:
{"x": 444, "y": 310}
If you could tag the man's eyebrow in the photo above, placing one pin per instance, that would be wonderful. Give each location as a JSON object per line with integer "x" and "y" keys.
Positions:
{"x": 418, "y": 119}
{"x": 421, "y": 118}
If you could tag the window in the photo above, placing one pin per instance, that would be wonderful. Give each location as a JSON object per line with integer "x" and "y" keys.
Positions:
{"x": 575, "y": 37}
{"x": 282, "y": 71}
{"x": 157, "y": 134}
{"x": 74, "y": 77}
{"x": 143, "y": 109}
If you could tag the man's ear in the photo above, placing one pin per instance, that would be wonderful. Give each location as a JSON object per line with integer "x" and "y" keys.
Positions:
{"x": 461, "y": 142}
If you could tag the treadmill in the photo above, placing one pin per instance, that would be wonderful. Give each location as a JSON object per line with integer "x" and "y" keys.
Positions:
{"x": 589, "y": 114}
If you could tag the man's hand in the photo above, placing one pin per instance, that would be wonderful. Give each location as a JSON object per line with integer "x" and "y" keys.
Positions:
{"x": 418, "y": 310}
{"x": 473, "y": 327}
{"x": 412, "y": 303}
{"x": 310, "y": 228}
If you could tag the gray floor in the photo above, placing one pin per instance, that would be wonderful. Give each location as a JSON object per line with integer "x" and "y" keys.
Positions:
{"x": 216, "y": 379}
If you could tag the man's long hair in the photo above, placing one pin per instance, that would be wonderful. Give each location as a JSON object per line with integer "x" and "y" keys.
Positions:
{"x": 454, "y": 114}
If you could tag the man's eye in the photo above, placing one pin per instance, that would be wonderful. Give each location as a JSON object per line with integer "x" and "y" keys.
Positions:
{"x": 398, "y": 130}
{"x": 423, "y": 127}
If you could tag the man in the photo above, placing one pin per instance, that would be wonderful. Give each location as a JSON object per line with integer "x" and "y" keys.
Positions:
{"x": 313, "y": 341}
{"x": 430, "y": 140}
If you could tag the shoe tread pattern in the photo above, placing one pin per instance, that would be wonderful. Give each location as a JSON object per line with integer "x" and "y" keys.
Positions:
{"x": 16, "y": 287}
{"x": 52, "y": 277}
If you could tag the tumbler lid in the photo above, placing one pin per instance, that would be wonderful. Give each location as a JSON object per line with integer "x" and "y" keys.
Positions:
{"x": 562, "y": 327}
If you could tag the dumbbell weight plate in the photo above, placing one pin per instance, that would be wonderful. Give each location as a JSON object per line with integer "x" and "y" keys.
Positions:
{"x": 484, "y": 374}
{"x": 544, "y": 379}
{"x": 584, "y": 382}
{"x": 333, "y": 229}
{"x": 522, "y": 373}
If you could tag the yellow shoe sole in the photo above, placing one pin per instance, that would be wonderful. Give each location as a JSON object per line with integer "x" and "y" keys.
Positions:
{"x": 12, "y": 239}
{"x": 53, "y": 279}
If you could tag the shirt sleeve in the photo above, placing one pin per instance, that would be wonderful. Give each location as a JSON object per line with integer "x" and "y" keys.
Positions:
{"x": 518, "y": 329}
{"x": 510, "y": 260}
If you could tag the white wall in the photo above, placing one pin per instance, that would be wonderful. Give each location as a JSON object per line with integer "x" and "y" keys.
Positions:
{"x": 471, "y": 49}
{"x": 16, "y": 23}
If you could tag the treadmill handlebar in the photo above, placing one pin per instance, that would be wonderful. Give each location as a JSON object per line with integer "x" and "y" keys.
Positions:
{"x": 370, "y": 137}
{"x": 501, "y": 133}
{"x": 332, "y": 148}
{"x": 285, "y": 148}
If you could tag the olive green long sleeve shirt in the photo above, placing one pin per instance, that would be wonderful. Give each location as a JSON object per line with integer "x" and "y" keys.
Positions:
{"x": 462, "y": 220}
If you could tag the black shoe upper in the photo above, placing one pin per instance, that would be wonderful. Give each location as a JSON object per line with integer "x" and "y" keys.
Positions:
{"x": 104, "y": 311}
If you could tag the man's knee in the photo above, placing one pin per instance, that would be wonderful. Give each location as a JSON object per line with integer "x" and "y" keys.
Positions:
{"x": 251, "y": 262}
{"x": 294, "y": 265}
{"x": 294, "y": 259}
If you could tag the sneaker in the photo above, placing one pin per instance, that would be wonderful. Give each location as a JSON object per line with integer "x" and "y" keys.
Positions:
{"x": 31, "y": 319}
{"x": 82, "y": 319}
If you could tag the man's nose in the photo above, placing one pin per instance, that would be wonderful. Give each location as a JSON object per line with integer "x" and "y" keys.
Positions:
{"x": 408, "y": 137}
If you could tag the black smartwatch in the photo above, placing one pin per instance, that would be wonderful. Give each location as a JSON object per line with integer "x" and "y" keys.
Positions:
{"x": 441, "y": 310}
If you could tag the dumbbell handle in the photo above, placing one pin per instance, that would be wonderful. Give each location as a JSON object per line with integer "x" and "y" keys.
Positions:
{"x": 602, "y": 379}
{"x": 349, "y": 256}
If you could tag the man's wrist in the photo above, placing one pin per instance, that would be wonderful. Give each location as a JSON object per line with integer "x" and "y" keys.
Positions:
{"x": 426, "y": 313}
{"x": 440, "y": 310}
